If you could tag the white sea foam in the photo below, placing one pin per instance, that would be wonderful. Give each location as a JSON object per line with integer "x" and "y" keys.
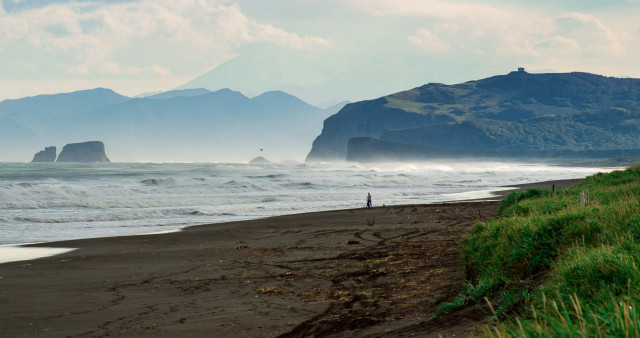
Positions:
{"x": 56, "y": 201}
{"x": 476, "y": 194}
{"x": 13, "y": 253}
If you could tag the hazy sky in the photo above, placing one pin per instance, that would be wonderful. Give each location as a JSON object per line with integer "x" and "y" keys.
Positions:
{"x": 340, "y": 49}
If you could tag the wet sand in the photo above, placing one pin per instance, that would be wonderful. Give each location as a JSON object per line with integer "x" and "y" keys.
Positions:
{"x": 361, "y": 272}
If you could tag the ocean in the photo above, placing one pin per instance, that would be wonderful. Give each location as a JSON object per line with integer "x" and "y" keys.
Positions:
{"x": 43, "y": 202}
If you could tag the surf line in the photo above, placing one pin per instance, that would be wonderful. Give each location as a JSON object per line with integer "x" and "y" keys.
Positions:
{"x": 19, "y": 252}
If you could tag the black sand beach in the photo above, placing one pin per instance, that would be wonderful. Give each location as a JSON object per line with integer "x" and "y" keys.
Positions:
{"x": 361, "y": 272}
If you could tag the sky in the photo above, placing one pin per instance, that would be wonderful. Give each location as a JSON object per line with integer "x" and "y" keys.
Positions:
{"x": 322, "y": 51}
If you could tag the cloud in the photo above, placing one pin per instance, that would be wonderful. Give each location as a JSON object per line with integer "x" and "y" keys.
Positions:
{"x": 377, "y": 44}
{"x": 427, "y": 41}
{"x": 593, "y": 37}
{"x": 451, "y": 26}
{"x": 445, "y": 10}
{"x": 154, "y": 70}
{"x": 485, "y": 29}
{"x": 110, "y": 37}
{"x": 281, "y": 37}
{"x": 14, "y": 6}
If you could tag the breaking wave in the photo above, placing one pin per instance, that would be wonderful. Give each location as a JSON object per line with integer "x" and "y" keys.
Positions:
{"x": 64, "y": 201}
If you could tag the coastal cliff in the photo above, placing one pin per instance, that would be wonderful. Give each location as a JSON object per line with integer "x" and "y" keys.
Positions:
{"x": 367, "y": 118}
{"x": 92, "y": 151}
{"x": 536, "y": 113}
{"x": 46, "y": 155}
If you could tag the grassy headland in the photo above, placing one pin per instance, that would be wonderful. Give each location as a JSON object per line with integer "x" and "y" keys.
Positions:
{"x": 553, "y": 267}
{"x": 571, "y": 116}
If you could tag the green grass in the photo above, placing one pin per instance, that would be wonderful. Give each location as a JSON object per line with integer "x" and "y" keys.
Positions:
{"x": 551, "y": 267}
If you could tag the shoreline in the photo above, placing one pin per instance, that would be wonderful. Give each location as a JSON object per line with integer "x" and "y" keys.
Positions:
{"x": 30, "y": 252}
{"x": 315, "y": 272}
{"x": 374, "y": 271}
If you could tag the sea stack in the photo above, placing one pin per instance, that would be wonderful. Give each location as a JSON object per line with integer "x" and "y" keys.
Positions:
{"x": 46, "y": 155}
{"x": 92, "y": 151}
{"x": 259, "y": 160}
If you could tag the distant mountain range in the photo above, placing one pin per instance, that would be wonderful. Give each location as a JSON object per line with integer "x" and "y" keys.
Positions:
{"x": 515, "y": 115}
{"x": 264, "y": 68}
{"x": 179, "y": 125}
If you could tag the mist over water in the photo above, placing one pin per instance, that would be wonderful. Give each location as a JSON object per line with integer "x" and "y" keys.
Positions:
{"x": 59, "y": 201}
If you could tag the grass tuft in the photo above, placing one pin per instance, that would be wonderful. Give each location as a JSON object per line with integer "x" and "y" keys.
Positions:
{"x": 552, "y": 267}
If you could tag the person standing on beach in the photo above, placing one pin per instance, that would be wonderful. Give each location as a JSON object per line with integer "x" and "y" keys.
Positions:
{"x": 368, "y": 200}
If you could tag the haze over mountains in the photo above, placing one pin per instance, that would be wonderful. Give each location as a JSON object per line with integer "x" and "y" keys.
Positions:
{"x": 180, "y": 125}
{"x": 267, "y": 69}
{"x": 514, "y": 115}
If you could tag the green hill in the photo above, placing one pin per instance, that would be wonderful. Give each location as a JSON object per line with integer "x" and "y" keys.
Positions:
{"x": 517, "y": 111}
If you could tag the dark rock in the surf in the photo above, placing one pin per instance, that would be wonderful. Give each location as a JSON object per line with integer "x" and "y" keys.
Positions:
{"x": 92, "y": 151}
{"x": 260, "y": 160}
{"x": 46, "y": 155}
{"x": 150, "y": 181}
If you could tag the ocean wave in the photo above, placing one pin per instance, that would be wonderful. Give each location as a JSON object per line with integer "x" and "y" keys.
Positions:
{"x": 270, "y": 176}
{"x": 35, "y": 184}
{"x": 196, "y": 213}
{"x": 91, "y": 218}
{"x": 159, "y": 181}
{"x": 469, "y": 181}
{"x": 236, "y": 187}
{"x": 95, "y": 198}
{"x": 305, "y": 185}
{"x": 39, "y": 220}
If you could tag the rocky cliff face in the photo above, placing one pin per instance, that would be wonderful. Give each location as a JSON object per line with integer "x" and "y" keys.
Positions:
{"x": 92, "y": 151}
{"x": 365, "y": 119}
{"x": 47, "y": 155}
